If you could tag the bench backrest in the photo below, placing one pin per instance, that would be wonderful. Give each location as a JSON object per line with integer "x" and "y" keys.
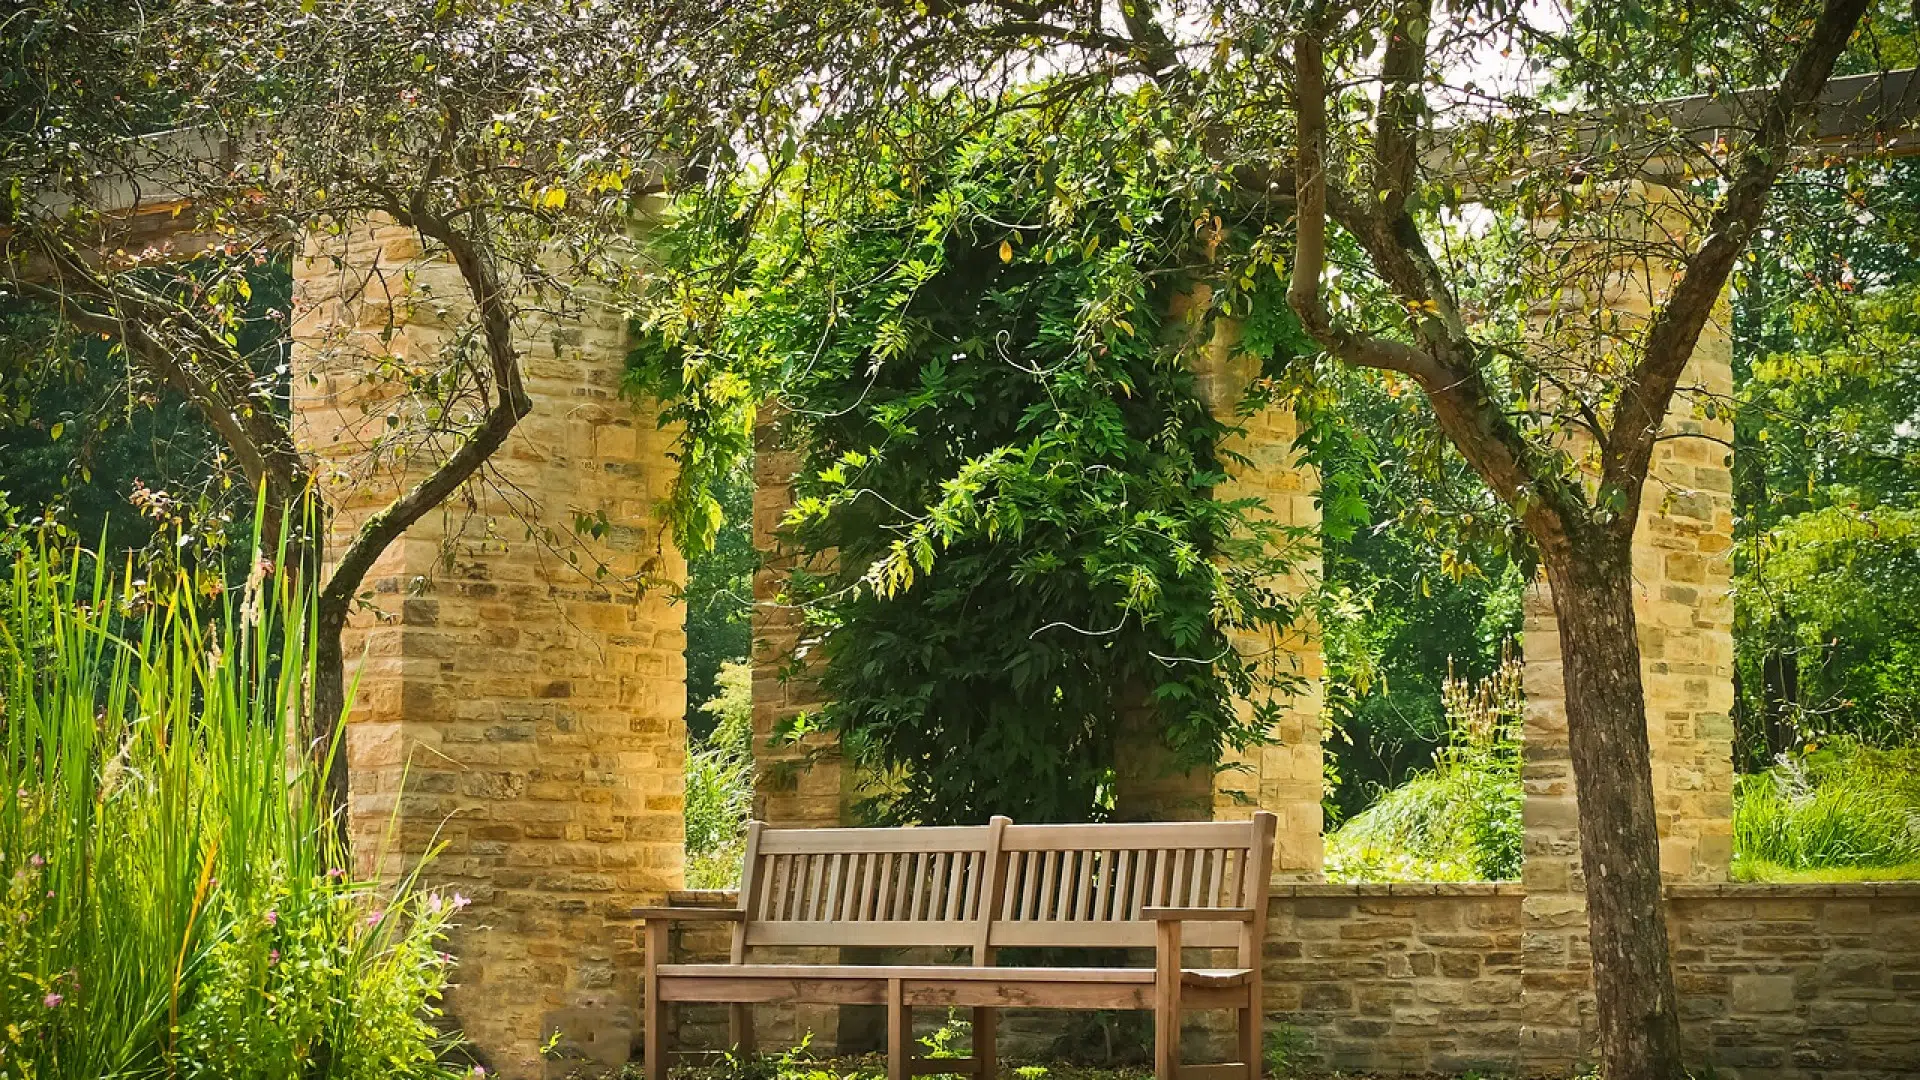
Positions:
{"x": 1000, "y": 884}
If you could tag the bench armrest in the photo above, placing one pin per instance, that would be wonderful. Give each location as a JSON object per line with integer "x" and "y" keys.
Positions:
{"x": 688, "y": 914}
{"x": 1197, "y": 914}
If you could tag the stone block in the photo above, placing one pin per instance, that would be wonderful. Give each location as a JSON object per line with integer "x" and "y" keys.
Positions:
{"x": 1763, "y": 993}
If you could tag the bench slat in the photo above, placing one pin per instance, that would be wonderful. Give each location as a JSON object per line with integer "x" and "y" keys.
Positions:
{"x": 995, "y": 886}
{"x": 914, "y": 838}
{"x": 1182, "y": 834}
{"x": 956, "y": 866}
{"x": 887, "y": 934}
{"x": 1132, "y": 934}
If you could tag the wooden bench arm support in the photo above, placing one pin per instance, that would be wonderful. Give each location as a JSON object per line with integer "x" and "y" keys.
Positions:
{"x": 688, "y": 914}
{"x": 1197, "y": 914}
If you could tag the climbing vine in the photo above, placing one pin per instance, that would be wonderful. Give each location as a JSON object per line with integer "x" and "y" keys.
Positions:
{"x": 983, "y": 348}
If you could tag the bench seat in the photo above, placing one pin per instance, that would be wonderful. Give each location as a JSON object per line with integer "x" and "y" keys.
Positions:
{"x": 943, "y": 985}
{"x": 1206, "y": 977}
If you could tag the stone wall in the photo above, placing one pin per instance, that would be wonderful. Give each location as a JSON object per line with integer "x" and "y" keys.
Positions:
{"x": 1786, "y": 982}
{"x": 1782, "y": 982}
{"x": 519, "y": 708}
{"x": 1799, "y": 982}
{"x": 1402, "y": 979}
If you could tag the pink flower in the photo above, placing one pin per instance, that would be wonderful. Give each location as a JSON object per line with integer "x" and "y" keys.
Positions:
{"x": 273, "y": 957}
{"x": 374, "y": 919}
{"x": 273, "y": 917}
{"x": 35, "y": 860}
{"x": 336, "y": 873}
{"x": 479, "y": 1072}
{"x": 460, "y": 902}
{"x": 52, "y": 1001}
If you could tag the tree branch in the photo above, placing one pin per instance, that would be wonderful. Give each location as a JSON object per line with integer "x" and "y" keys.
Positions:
{"x": 1676, "y": 327}
{"x": 1310, "y": 233}
{"x": 1445, "y": 367}
{"x": 1396, "y": 138}
{"x": 509, "y": 404}
{"x": 183, "y": 353}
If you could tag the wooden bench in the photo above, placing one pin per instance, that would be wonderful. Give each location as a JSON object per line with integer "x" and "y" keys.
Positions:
{"x": 981, "y": 889}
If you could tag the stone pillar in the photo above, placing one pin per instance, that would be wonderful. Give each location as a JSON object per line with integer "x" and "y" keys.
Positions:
{"x": 798, "y": 785}
{"x": 1146, "y": 786}
{"x": 1287, "y": 776}
{"x": 513, "y": 703}
{"x": 1684, "y": 611}
{"x": 1683, "y": 570}
{"x": 1556, "y": 980}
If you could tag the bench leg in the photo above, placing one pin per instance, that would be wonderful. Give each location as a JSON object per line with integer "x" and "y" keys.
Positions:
{"x": 986, "y": 1057}
{"x": 655, "y": 1016}
{"x": 740, "y": 1029}
{"x": 1251, "y": 1052}
{"x": 899, "y": 1029}
{"x": 1166, "y": 1003}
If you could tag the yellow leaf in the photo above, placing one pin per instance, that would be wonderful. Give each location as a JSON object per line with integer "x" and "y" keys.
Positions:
{"x": 56, "y": 430}
{"x": 555, "y": 199}
{"x": 1006, "y": 251}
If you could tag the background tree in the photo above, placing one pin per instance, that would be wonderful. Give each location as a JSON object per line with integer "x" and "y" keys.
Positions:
{"x": 1615, "y": 390}
{"x": 1424, "y": 580}
{"x": 511, "y": 138}
{"x": 1827, "y": 474}
{"x": 719, "y": 598}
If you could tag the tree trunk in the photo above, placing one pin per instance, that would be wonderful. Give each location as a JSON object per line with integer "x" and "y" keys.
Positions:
{"x": 1781, "y": 695}
{"x": 1619, "y": 834}
{"x": 329, "y": 750}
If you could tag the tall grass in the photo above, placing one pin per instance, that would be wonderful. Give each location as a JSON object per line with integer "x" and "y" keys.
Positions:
{"x": 1461, "y": 820}
{"x": 175, "y": 901}
{"x": 1843, "y": 808}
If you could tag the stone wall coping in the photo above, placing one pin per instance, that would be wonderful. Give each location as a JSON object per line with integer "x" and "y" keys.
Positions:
{"x": 1322, "y": 889}
{"x": 1797, "y": 890}
{"x": 713, "y": 898}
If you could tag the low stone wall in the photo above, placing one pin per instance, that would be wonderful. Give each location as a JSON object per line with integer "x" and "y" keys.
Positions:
{"x": 1820, "y": 982}
{"x": 1783, "y": 982}
{"x": 1786, "y": 982}
{"x": 1396, "y": 978}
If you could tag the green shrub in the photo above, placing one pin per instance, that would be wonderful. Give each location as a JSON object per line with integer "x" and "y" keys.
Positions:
{"x": 720, "y": 784}
{"x": 175, "y": 901}
{"x": 1460, "y": 821}
{"x": 1840, "y": 806}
